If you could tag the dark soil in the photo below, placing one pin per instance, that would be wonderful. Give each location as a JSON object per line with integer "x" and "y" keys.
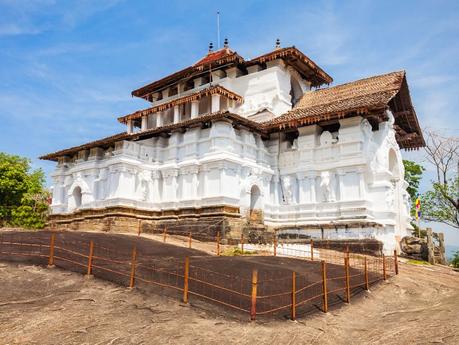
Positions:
{"x": 219, "y": 280}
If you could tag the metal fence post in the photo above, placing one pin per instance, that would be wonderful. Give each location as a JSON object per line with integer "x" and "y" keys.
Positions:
{"x": 395, "y": 261}
{"x": 133, "y": 263}
{"x": 91, "y": 253}
{"x": 185, "y": 279}
{"x": 274, "y": 245}
{"x": 218, "y": 243}
{"x": 366, "y": 274}
{"x": 293, "y": 295}
{"x": 51, "y": 251}
{"x": 312, "y": 249}
{"x": 348, "y": 288}
{"x": 384, "y": 266}
{"x": 189, "y": 240}
{"x": 253, "y": 308}
{"x": 324, "y": 287}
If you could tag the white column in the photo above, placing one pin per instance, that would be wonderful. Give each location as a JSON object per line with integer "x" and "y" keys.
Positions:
{"x": 194, "y": 109}
{"x": 302, "y": 188}
{"x": 340, "y": 176}
{"x": 144, "y": 123}
{"x": 129, "y": 126}
{"x": 159, "y": 119}
{"x": 312, "y": 187}
{"x": 215, "y": 106}
{"x": 361, "y": 184}
{"x": 276, "y": 190}
{"x": 197, "y": 82}
{"x": 155, "y": 195}
{"x": 176, "y": 114}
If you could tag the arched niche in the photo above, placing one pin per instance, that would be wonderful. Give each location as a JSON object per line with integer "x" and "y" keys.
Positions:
{"x": 77, "y": 196}
{"x": 256, "y": 204}
{"x": 394, "y": 165}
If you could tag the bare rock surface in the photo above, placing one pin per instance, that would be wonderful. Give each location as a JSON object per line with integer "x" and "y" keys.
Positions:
{"x": 51, "y": 306}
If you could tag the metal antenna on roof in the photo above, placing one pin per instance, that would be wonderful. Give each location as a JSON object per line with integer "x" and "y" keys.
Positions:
{"x": 218, "y": 29}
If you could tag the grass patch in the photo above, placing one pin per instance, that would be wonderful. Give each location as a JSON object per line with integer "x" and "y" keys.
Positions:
{"x": 418, "y": 262}
{"x": 236, "y": 251}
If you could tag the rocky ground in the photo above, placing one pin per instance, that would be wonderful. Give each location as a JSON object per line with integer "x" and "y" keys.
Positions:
{"x": 50, "y": 306}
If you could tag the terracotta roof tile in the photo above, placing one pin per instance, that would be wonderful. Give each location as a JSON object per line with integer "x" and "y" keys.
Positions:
{"x": 361, "y": 95}
{"x": 216, "y": 89}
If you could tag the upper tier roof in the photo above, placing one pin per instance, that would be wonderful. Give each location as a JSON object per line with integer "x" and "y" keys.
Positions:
{"x": 366, "y": 97}
{"x": 225, "y": 56}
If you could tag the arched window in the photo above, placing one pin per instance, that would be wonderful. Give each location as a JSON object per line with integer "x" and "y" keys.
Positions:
{"x": 77, "y": 196}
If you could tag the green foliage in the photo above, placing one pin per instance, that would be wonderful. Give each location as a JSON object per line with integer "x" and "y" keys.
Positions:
{"x": 438, "y": 204}
{"x": 23, "y": 199}
{"x": 455, "y": 260}
{"x": 413, "y": 175}
{"x": 236, "y": 251}
{"x": 418, "y": 262}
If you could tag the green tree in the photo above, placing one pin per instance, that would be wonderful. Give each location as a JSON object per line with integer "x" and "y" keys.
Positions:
{"x": 23, "y": 198}
{"x": 413, "y": 175}
{"x": 441, "y": 203}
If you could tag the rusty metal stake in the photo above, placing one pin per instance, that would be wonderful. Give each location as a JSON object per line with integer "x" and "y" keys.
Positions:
{"x": 189, "y": 240}
{"x": 312, "y": 250}
{"x": 395, "y": 261}
{"x": 348, "y": 288}
{"x": 91, "y": 253}
{"x": 185, "y": 279}
{"x": 324, "y": 287}
{"x": 253, "y": 307}
{"x": 293, "y": 295}
{"x": 366, "y": 275}
{"x": 218, "y": 243}
{"x": 51, "y": 251}
{"x": 133, "y": 263}
{"x": 384, "y": 266}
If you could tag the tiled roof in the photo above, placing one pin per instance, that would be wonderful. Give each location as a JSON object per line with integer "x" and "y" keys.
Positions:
{"x": 225, "y": 56}
{"x": 216, "y": 89}
{"x": 211, "y": 60}
{"x": 304, "y": 64}
{"x": 358, "y": 96}
{"x": 364, "y": 97}
{"x": 106, "y": 142}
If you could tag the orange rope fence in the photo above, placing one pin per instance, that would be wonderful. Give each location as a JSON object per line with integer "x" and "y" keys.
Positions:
{"x": 262, "y": 293}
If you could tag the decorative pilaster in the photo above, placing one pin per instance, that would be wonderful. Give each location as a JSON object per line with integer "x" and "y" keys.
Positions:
{"x": 215, "y": 106}
{"x": 144, "y": 126}
{"x": 176, "y": 114}
{"x": 194, "y": 109}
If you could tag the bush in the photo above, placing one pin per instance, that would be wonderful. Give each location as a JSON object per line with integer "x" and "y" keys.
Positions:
{"x": 455, "y": 260}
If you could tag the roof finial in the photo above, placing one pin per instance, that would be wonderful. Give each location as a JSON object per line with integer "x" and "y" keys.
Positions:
{"x": 225, "y": 43}
{"x": 211, "y": 47}
{"x": 278, "y": 44}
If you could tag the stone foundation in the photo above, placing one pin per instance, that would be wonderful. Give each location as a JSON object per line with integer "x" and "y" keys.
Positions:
{"x": 203, "y": 223}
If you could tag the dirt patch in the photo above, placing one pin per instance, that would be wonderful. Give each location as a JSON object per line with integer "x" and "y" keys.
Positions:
{"x": 224, "y": 281}
{"x": 51, "y": 306}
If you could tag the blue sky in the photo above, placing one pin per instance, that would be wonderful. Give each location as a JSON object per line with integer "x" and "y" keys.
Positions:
{"x": 68, "y": 67}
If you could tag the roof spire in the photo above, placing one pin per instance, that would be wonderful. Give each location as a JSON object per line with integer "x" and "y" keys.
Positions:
{"x": 211, "y": 47}
{"x": 225, "y": 43}
{"x": 278, "y": 44}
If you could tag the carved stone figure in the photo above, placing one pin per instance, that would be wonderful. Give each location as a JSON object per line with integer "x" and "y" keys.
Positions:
{"x": 287, "y": 185}
{"x": 327, "y": 187}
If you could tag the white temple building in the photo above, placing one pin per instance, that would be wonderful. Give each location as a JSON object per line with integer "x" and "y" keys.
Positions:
{"x": 264, "y": 141}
